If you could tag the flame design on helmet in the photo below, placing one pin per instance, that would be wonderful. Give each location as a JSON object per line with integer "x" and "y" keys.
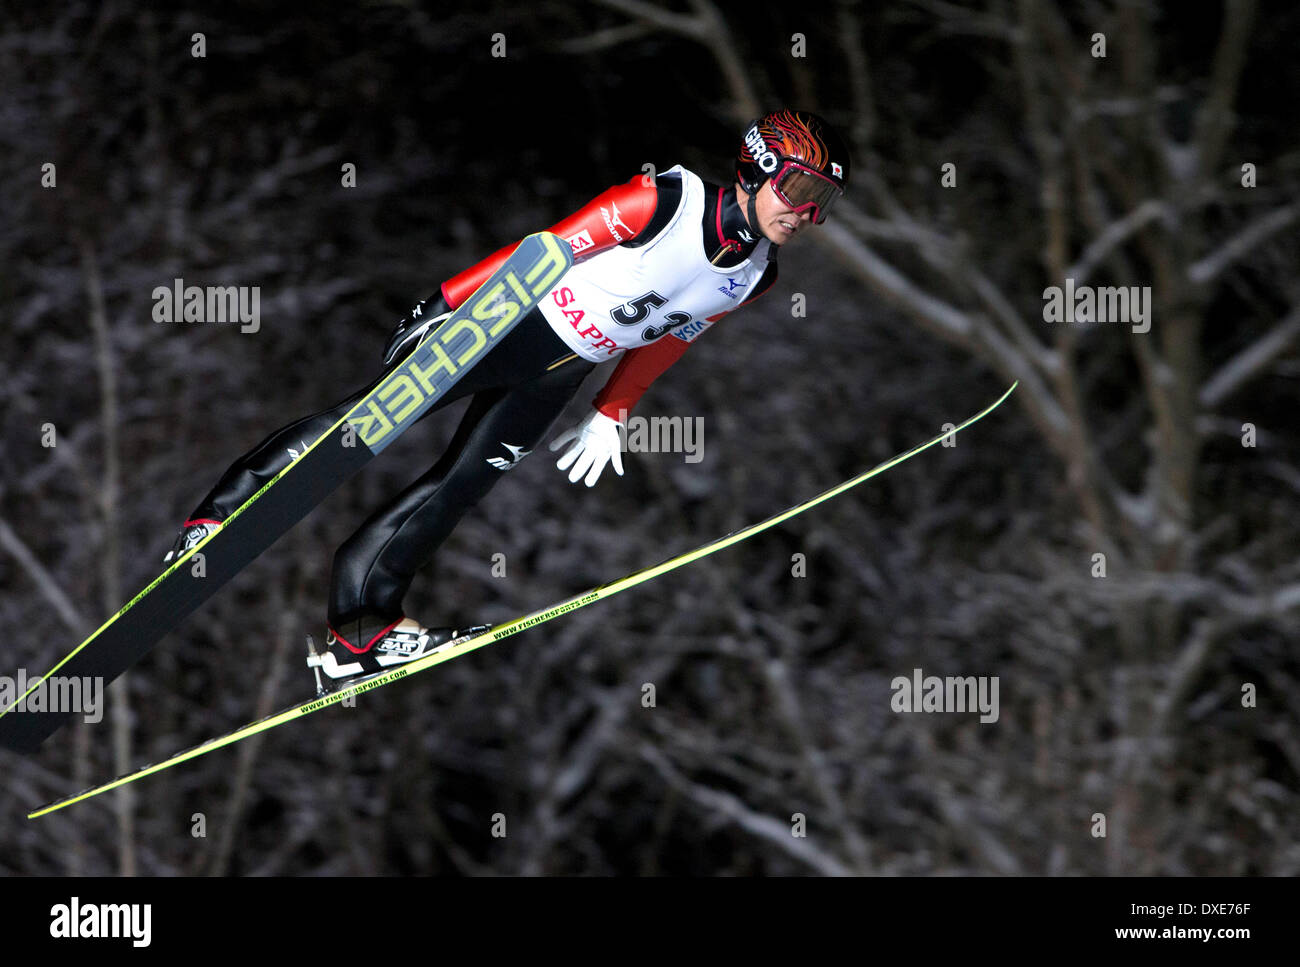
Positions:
{"x": 799, "y": 136}
{"x": 793, "y": 136}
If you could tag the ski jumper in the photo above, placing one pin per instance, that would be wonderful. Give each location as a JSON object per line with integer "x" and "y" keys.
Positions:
{"x": 656, "y": 263}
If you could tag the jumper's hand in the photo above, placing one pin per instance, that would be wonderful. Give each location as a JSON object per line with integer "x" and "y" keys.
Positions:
{"x": 596, "y": 441}
{"x": 427, "y": 314}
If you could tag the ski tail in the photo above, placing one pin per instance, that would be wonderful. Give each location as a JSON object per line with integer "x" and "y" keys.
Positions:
{"x": 514, "y": 627}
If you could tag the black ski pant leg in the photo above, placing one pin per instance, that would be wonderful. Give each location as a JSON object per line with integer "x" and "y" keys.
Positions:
{"x": 516, "y": 356}
{"x": 374, "y": 568}
{"x": 246, "y": 475}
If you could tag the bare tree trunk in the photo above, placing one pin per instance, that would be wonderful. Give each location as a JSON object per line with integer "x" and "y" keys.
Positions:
{"x": 110, "y": 557}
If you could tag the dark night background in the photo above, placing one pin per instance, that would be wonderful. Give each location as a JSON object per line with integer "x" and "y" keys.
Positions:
{"x": 1120, "y": 695}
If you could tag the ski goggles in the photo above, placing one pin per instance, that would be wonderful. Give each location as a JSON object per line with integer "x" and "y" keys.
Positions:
{"x": 802, "y": 188}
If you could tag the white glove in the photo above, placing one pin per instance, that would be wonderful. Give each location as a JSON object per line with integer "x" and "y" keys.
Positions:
{"x": 597, "y": 442}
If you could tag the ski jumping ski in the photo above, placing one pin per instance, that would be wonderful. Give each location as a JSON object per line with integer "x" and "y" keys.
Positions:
{"x": 406, "y": 393}
{"x": 458, "y": 647}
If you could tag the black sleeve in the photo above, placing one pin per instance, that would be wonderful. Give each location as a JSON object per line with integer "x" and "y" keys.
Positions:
{"x": 669, "y": 198}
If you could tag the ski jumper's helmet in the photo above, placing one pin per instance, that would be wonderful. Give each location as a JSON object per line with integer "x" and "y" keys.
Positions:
{"x": 800, "y": 155}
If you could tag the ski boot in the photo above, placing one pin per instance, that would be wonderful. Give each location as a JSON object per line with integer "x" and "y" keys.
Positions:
{"x": 394, "y": 644}
{"x": 194, "y": 532}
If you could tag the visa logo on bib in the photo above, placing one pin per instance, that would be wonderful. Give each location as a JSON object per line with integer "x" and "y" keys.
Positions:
{"x": 691, "y": 331}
